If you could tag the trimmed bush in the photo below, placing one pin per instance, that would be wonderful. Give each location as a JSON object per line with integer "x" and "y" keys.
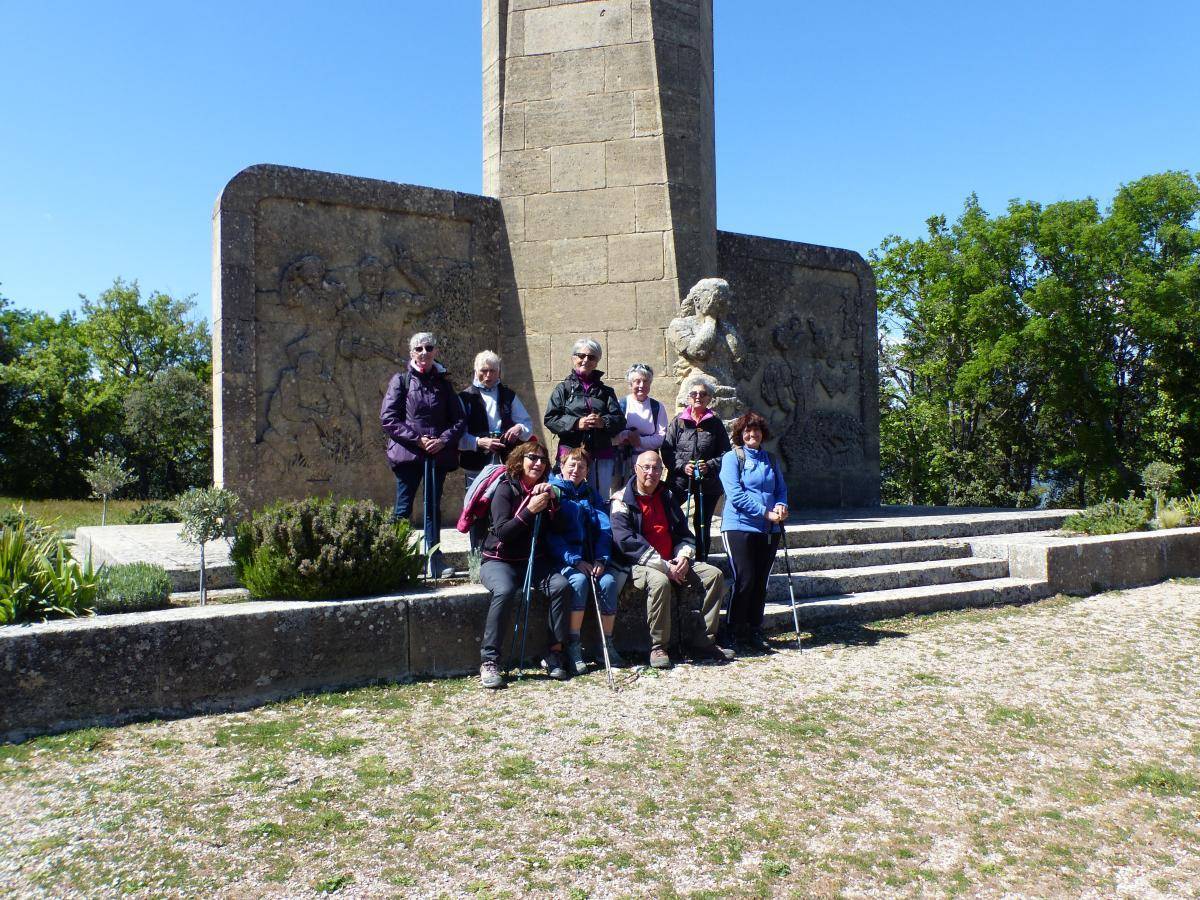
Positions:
{"x": 135, "y": 587}
{"x": 155, "y": 512}
{"x": 325, "y": 550}
{"x": 38, "y": 578}
{"x": 1112, "y": 517}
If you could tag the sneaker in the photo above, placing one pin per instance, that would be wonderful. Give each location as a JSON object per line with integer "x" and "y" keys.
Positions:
{"x": 490, "y": 677}
{"x": 555, "y": 665}
{"x": 710, "y": 653}
{"x": 575, "y": 656}
{"x": 659, "y": 658}
{"x": 614, "y": 658}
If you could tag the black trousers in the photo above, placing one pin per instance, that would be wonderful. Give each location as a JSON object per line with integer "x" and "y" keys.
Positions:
{"x": 701, "y": 525}
{"x": 506, "y": 582}
{"x": 751, "y": 556}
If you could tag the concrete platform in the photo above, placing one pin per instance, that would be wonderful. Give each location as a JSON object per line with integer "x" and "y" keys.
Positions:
{"x": 840, "y": 532}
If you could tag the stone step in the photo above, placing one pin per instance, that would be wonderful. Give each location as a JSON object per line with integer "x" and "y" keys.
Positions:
{"x": 849, "y": 556}
{"x": 896, "y": 576}
{"x": 872, "y": 528}
{"x": 873, "y": 605}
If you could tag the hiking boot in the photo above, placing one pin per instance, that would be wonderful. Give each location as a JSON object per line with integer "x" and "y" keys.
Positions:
{"x": 710, "y": 653}
{"x": 752, "y": 640}
{"x": 575, "y": 656}
{"x": 659, "y": 658}
{"x": 614, "y": 658}
{"x": 555, "y": 665}
{"x": 490, "y": 677}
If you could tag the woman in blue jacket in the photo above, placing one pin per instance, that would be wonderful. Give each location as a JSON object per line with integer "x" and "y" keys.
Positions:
{"x": 582, "y": 545}
{"x": 755, "y": 510}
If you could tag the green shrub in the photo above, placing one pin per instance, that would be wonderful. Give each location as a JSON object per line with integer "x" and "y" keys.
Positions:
{"x": 135, "y": 587}
{"x": 155, "y": 512}
{"x": 324, "y": 550}
{"x": 1112, "y": 517}
{"x": 1170, "y": 516}
{"x": 38, "y": 578}
{"x": 1190, "y": 505}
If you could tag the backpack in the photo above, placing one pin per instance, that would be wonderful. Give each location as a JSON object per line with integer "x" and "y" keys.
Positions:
{"x": 478, "y": 501}
{"x": 740, "y": 454}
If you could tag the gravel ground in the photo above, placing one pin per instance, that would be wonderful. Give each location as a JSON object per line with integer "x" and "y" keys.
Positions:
{"x": 1047, "y": 750}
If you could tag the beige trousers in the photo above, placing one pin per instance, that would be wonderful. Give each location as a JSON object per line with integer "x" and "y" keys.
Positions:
{"x": 699, "y": 600}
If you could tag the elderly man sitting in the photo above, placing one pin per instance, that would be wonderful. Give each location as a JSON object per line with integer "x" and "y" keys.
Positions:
{"x": 652, "y": 534}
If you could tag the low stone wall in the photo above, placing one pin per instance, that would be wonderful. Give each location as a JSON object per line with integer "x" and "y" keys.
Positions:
{"x": 1088, "y": 565}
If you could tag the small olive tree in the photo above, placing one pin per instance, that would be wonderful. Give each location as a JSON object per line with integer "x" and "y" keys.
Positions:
{"x": 1156, "y": 478}
{"x": 106, "y": 474}
{"x": 207, "y": 514}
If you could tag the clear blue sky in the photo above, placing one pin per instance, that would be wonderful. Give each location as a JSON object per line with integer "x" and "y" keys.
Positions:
{"x": 836, "y": 123}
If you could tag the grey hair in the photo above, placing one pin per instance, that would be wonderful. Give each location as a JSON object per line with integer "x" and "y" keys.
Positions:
{"x": 421, "y": 337}
{"x": 487, "y": 356}
{"x": 587, "y": 344}
{"x": 639, "y": 369}
{"x": 700, "y": 381}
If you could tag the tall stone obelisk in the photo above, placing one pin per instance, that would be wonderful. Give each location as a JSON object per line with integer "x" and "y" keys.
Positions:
{"x": 599, "y": 142}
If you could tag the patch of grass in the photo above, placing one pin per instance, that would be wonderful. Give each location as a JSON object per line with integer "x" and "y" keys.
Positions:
{"x": 67, "y": 515}
{"x": 333, "y": 884}
{"x": 272, "y": 734}
{"x": 515, "y": 767}
{"x": 1162, "y": 781}
{"x": 1000, "y": 714}
{"x": 715, "y": 709}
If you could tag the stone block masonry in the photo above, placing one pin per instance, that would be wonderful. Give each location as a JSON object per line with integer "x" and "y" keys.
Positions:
{"x": 584, "y": 102}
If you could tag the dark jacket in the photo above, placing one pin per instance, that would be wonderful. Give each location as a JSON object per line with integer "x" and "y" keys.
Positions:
{"x": 626, "y": 515}
{"x": 477, "y": 424}
{"x": 510, "y": 532}
{"x": 571, "y": 400}
{"x": 428, "y": 406}
{"x": 584, "y": 533}
{"x": 686, "y": 441}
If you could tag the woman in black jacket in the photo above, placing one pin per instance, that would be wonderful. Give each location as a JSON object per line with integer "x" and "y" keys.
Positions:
{"x": 584, "y": 412}
{"x": 692, "y": 449}
{"x": 522, "y": 496}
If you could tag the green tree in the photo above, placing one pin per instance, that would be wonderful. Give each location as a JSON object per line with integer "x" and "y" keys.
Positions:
{"x": 168, "y": 432}
{"x": 106, "y": 474}
{"x": 132, "y": 339}
{"x": 1045, "y": 343}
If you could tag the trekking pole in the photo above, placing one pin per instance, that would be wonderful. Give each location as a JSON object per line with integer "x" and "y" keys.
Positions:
{"x": 425, "y": 516}
{"x": 701, "y": 523}
{"x": 603, "y": 637}
{"x": 787, "y": 566}
{"x": 537, "y": 525}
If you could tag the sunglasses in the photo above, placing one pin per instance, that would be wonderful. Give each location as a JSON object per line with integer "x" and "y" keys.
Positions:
{"x": 592, "y": 356}
{"x": 425, "y": 348}
{"x": 535, "y": 458}
{"x": 697, "y": 395}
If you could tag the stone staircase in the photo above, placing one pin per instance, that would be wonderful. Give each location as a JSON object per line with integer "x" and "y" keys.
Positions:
{"x": 870, "y": 564}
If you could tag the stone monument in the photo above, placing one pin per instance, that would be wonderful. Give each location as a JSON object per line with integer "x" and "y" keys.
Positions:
{"x": 599, "y": 159}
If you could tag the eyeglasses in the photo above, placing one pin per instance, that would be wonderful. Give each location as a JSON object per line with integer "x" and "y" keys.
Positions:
{"x": 592, "y": 356}
{"x": 698, "y": 395}
{"x": 425, "y": 348}
{"x": 649, "y": 469}
{"x": 535, "y": 458}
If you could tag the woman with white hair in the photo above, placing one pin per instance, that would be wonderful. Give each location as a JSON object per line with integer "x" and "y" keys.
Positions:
{"x": 423, "y": 420}
{"x": 645, "y": 419}
{"x": 691, "y": 450}
{"x": 584, "y": 412}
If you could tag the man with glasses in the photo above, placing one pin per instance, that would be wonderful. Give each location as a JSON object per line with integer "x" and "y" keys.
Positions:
{"x": 423, "y": 419}
{"x": 651, "y": 533}
{"x": 585, "y": 412}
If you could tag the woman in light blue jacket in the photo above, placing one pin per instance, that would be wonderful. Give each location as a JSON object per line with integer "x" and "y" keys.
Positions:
{"x": 751, "y": 523}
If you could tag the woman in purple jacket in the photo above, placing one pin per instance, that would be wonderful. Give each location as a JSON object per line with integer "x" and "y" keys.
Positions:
{"x": 424, "y": 420}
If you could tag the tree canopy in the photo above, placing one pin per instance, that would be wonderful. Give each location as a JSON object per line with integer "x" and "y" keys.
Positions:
{"x": 1049, "y": 347}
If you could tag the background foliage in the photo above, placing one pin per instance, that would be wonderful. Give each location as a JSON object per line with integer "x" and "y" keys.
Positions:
{"x": 1047, "y": 349}
{"x": 129, "y": 375}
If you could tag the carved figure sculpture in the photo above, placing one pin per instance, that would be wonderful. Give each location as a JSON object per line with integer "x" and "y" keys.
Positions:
{"x": 306, "y": 284}
{"x": 307, "y": 424}
{"x": 708, "y": 344}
